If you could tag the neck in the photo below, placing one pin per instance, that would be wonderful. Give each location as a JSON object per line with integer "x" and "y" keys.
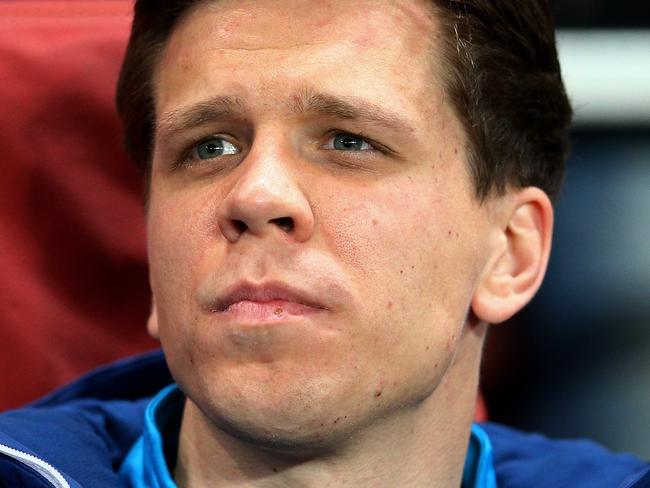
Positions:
{"x": 416, "y": 446}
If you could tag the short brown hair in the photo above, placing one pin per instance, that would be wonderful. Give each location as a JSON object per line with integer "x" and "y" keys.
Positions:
{"x": 503, "y": 78}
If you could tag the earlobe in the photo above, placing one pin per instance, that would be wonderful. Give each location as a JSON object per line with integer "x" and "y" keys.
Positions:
{"x": 152, "y": 321}
{"x": 517, "y": 267}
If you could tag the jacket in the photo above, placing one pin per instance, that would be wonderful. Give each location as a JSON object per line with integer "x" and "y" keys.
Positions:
{"x": 79, "y": 435}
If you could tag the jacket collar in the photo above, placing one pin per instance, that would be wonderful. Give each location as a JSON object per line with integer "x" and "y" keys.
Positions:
{"x": 147, "y": 466}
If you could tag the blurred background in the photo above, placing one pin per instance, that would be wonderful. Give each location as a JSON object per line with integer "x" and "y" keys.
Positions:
{"x": 576, "y": 362}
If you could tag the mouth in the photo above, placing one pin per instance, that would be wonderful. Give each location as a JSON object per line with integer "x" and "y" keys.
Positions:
{"x": 270, "y": 300}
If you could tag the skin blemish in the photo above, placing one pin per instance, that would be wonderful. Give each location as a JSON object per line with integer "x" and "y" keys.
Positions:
{"x": 324, "y": 22}
{"x": 374, "y": 222}
{"x": 389, "y": 305}
{"x": 278, "y": 312}
{"x": 366, "y": 38}
{"x": 364, "y": 41}
{"x": 337, "y": 419}
{"x": 378, "y": 393}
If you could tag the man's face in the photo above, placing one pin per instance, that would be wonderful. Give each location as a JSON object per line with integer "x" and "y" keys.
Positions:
{"x": 307, "y": 159}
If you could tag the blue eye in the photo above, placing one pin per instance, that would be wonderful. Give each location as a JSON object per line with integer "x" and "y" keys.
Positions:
{"x": 349, "y": 142}
{"x": 214, "y": 147}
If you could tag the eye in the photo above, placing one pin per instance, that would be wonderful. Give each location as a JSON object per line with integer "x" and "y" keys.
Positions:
{"x": 214, "y": 147}
{"x": 344, "y": 141}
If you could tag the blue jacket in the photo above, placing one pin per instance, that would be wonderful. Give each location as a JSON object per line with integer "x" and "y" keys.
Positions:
{"x": 79, "y": 436}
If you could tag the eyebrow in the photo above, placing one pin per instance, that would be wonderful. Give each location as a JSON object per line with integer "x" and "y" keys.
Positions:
{"x": 307, "y": 102}
{"x": 351, "y": 108}
{"x": 197, "y": 114}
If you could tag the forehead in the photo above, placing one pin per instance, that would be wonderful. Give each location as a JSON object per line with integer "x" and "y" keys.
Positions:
{"x": 283, "y": 39}
{"x": 262, "y": 23}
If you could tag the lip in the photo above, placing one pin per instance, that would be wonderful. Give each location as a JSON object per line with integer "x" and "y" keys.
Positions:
{"x": 273, "y": 298}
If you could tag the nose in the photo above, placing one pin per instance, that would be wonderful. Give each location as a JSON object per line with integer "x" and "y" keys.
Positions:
{"x": 266, "y": 199}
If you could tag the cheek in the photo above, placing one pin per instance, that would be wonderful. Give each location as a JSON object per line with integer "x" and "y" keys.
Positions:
{"x": 179, "y": 234}
{"x": 395, "y": 238}
{"x": 404, "y": 250}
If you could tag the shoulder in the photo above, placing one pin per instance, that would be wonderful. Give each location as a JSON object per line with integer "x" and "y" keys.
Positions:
{"x": 531, "y": 460}
{"x": 83, "y": 440}
{"x": 85, "y": 429}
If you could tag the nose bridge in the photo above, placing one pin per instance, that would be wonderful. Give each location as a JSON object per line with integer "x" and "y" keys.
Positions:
{"x": 265, "y": 179}
{"x": 266, "y": 197}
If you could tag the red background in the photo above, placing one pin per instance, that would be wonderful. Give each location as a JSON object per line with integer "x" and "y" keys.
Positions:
{"x": 73, "y": 276}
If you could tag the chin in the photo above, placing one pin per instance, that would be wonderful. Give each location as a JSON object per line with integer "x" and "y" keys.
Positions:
{"x": 298, "y": 416}
{"x": 295, "y": 442}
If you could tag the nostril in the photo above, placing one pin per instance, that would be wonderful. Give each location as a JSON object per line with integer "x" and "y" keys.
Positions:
{"x": 285, "y": 223}
{"x": 240, "y": 226}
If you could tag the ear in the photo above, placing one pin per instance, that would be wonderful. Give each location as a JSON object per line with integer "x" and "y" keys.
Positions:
{"x": 516, "y": 268}
{"x": 152, "y": 321}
